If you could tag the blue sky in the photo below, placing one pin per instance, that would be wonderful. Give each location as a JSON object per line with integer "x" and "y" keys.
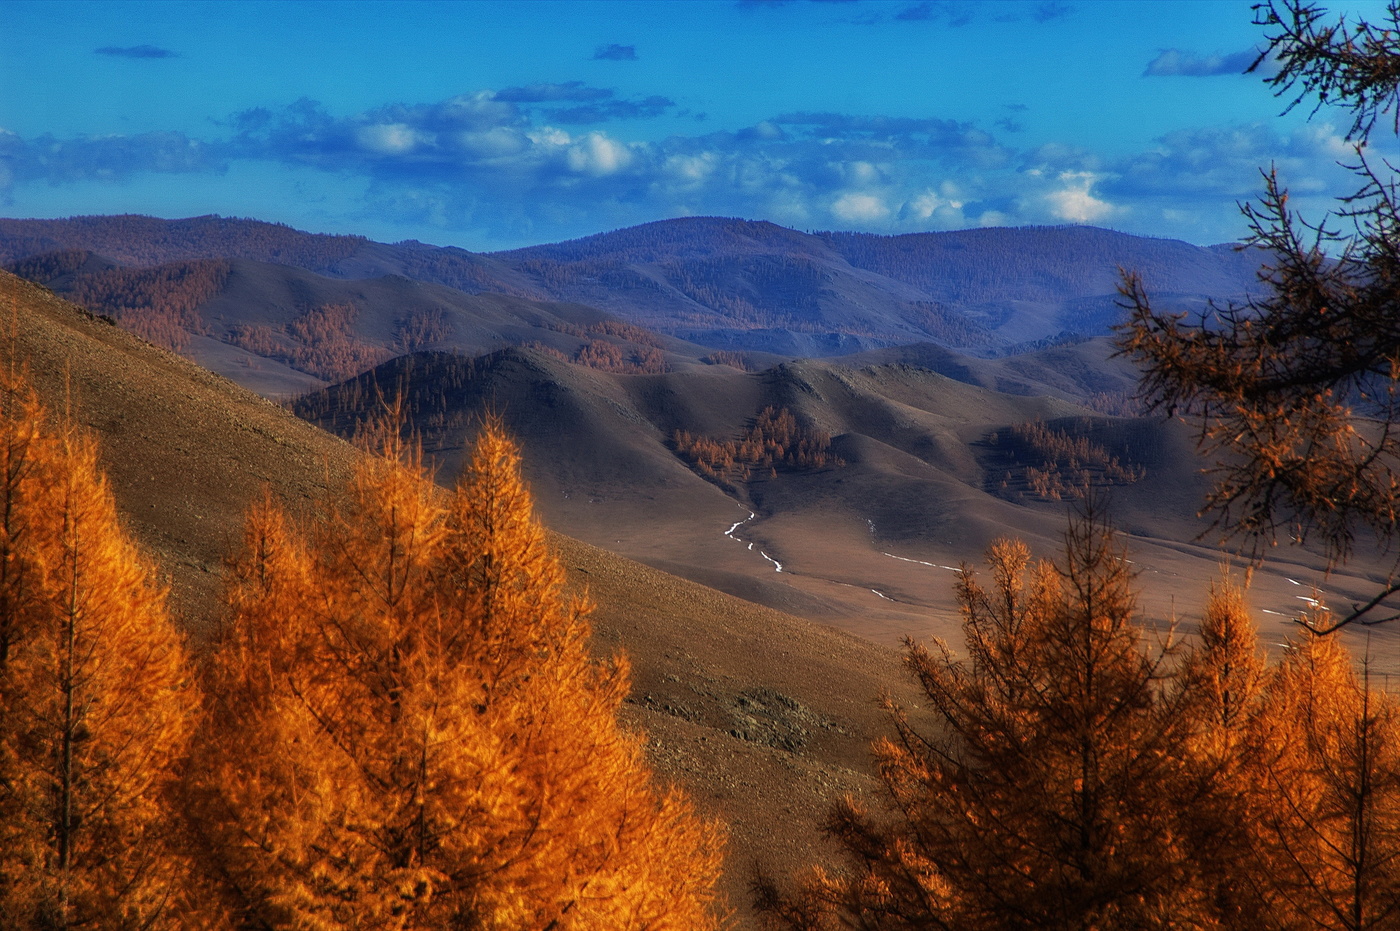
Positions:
{"x": 493, "y": 125}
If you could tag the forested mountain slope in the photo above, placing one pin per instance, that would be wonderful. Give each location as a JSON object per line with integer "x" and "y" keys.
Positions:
{"x": 722, "y": 283}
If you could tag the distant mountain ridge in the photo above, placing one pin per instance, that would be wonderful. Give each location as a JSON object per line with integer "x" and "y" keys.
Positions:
{"x": 734, "y": 284}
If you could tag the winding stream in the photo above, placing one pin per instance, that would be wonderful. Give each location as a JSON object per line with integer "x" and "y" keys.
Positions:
{"x": 777, "y": 566}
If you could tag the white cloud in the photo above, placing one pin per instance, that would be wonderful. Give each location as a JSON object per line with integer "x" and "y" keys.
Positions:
{"x": 549, "y": 136}
{"x": 389, "y": 138}
{"x": 859, "y": 208}
{"x": 1174, "y": 61}
{"x": 945, "y": 205}
{"x": 500, "y": 142}
{"x": 861, "y": 174}
{"x": 691, "y": 170}
{"x": 767, "y": 130}
{"x": 1075, "y": 203}
{"x": 597, "y": 155}
{"x": 477, "y": 110}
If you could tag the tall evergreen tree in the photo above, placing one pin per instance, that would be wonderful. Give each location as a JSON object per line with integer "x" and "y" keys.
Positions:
{"x": 410, "y": 733}
{"x": 96, "y": 698}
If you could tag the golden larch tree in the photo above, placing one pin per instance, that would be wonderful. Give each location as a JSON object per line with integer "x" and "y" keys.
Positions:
{"x": 408, "y": 730}
{"x": 97, "y": 700}
{"x": 1039, "y": 792}
{"x": 1328, "y": 829}
{"x": 1222, "y": 687}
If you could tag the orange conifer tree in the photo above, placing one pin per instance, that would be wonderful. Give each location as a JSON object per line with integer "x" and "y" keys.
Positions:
{"x": 1222, "y": 687}
{"x": 1037, "y": 797}
{"x": 439, "y": 750}
{"x": 96, "y": 699}
{"x": 1328, "y": 832}
{"x": 1069, "y": 778}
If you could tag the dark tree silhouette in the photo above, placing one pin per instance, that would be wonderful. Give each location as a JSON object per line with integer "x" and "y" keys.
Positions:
{"x": 1297, "y": 392}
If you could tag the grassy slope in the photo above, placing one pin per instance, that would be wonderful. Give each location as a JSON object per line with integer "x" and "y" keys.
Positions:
{"x": 763, "y": 717}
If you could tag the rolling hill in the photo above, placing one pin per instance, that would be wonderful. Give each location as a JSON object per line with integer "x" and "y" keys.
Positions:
{"x": 720, "y": 283}
{"x": 678, "y": 487}
{"x": 922, "y": 472}
{"x": 765, "y": 718}
{"x": 741, "y": 284}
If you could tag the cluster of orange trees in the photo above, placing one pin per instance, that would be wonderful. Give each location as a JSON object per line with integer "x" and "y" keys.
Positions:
{"x": 735, "y": 360}
{"x": 320, "y": 341}
{"x": 157, "y": 304}
{"x": 775, "y": 438}
{"x": 1065, "y": 773}
{"x": 399, "y": 727}
{"x": 419, "y": 328}
{"x": 1066, "y": 466}
{"x": 619, "y": 328}
{"x": 644, "y": 359}
{"x": 609, "y": 357}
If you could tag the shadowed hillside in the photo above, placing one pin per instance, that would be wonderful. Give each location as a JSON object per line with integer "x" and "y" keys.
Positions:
{"x": 133, "y": 240}
{"x": 281, "y": 330}
{"x": 918, "y": 472}
{"x": 756, "y": 285}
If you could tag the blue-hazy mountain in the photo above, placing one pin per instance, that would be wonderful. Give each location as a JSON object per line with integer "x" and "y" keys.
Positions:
{"x": 726, "y": 283}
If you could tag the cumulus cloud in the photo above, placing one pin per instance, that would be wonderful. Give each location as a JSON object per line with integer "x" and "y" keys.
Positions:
{"x": 388, "y": 138}
{"x": 135, "y": 51}
{"x": 508, "y": 164}
{"x": 1177, "y": 63}
{"x": 860, "y": 209}
{"x": 943, "y": 205}
{"x": 1074, "y": 201}
{"x": 615, "y": 53}
{"x": 597, "y": 155}
{"x": 1225, "y": 162}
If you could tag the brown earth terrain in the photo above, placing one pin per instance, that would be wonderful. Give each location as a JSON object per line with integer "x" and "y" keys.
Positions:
{"x": 763, "y": 704}
{"x": 926, "y": 471}
{"x": 765, "y": 718}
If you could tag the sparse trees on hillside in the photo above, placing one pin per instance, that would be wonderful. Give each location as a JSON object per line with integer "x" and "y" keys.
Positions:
{"x": 320, "y": 341}
{"x": 408, "y": 731}
{"x": 1297, "y": 392}
{"x": 774, "y": 438}
{"x": 1062, "y": 465}
{"x": 97, "y": 699}
{"x": 160, "y": 305}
